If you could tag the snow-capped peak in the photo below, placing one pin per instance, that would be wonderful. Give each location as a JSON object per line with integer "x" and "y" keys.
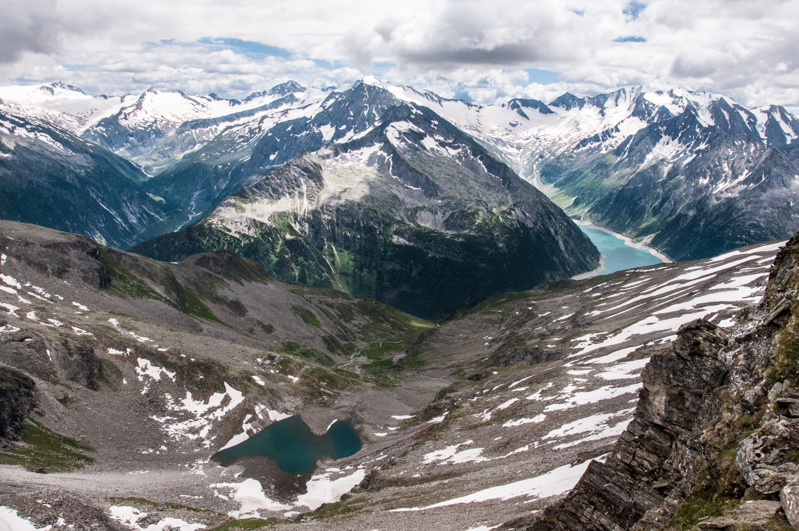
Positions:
{"x": 373, "y": 81}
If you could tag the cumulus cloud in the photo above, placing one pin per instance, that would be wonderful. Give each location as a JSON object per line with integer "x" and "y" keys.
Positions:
{"x": 31, "y": 26}
{"x": 475, "y": 49}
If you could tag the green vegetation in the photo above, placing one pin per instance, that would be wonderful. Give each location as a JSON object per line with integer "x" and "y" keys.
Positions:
{"x": 43, "y": 449}
{"x": 787, "y": 355}
{"x": 188, "y": 303}
{"x": 336, "y": 379}
{"x": 248, "y": 523}
{"x": 306, "y": 315}
{"x": 491, "y": 255}
{"x": 329, "y": 509}
{"x": 65, "y": 400}
{"x": 295, "y": 349}
{"x": 778, "y": 522}
{"x": 700, "y": 505}
{"x": 124, "y": 283}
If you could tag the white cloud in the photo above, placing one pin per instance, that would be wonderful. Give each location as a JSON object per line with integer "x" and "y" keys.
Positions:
{"x": 464, "y": 48}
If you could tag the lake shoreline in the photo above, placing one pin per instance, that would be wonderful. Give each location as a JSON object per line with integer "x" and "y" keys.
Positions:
{"x": 627, "y": 241}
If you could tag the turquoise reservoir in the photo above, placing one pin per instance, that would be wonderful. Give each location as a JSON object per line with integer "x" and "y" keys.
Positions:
{"x": 617, "y": 254}
{"x": 293, "y": 446}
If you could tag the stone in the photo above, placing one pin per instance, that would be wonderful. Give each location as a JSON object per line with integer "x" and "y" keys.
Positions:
{"x": 77, "y": 360}
{"x": 764, "y": 458}
{"x": 787, "y": 407}
{"x": 789, "y": 496}
{"x": 752, "y": 515}
{"x": 16, "y": 401}
{"x": 775, "y": 391}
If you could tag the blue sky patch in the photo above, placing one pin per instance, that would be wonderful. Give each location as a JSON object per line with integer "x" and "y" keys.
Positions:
{"x": 328, "y": 65}
{"x": 380, "y": 68}
{"x": 631, "y": 38}
{"x": 252, "y": 49}
{"x": 633, "y": 9}
{"x": 542, "y": 77}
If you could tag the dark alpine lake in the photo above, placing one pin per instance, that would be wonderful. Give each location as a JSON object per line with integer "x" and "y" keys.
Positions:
{"x": 617, "y": 253}
{"x": 293, "y": 446}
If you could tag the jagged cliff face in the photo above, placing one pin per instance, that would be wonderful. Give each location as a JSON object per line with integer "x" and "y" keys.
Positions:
{"x": 715, "y": 438}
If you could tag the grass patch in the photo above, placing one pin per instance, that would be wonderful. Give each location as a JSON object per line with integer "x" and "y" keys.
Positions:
{"x": 43, "y": 449}
{"x": 330, "y": 509}
{"x": 124, "y": 283}
{"x": 336, "y": 379}
{"x": 306, "y": 315}
{"x": 65, "y": 400}
{"x": 248, "y": 523}
{"x": 188, "y": 303}
{"x": 701, "y": 505}
{"x": 778, "y": 522}
{"x": 295, "y": 349}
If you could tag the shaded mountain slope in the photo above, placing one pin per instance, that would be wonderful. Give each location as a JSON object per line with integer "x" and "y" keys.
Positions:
{"x": 411, "y": 212}
{"x": 50, "y": 177}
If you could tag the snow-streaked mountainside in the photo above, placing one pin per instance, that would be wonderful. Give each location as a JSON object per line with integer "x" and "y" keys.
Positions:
{"x": 50, "y": 177}
{"x": 691, "y": 173}
{"x": 142, "y": 370}
{"x": 393, "y": 203}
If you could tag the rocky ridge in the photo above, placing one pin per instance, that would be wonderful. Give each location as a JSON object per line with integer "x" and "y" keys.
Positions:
{"x": 714, "y": 441}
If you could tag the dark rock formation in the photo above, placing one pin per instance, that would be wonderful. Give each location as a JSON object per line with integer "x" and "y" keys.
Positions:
{"x": 16, "y": 401}
{"x": 77, "y": 361}
{"x": 709, "y": 447}
{"x": 633, "y": 480}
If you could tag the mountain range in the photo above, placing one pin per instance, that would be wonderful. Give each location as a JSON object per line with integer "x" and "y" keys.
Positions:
{"x": 388, "y": 192}
{"x": 179, "y": 273}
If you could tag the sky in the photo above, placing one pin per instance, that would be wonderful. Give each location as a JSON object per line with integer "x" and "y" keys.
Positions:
{"x": 481, "y": 51}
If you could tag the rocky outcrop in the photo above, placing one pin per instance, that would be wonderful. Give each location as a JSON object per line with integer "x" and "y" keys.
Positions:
{"x": 77, "y": 361}
{"x": 715, "y": 439}
{"x": 638, "y": 474}
{"x": 764, "y": 459}
{"x": 755, "y": 513}
{"x": 16, "y": 401}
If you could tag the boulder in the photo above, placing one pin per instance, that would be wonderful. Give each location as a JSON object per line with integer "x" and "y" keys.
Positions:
{"x": 787, "y": 407}
{"x": 764, "y": 458}
{"x": 752, "y": 515}
{"x": 77, "y": 361}
{"x": 789, "y": 496}
{"x": 16, "y": 401}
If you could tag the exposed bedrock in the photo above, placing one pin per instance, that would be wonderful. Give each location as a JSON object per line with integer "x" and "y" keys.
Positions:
{"x": 714, "y": 443}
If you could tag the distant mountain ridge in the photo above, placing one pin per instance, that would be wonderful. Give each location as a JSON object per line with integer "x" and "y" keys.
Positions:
{"x": 384, "y": 199}
{"x": 691, "y": 173}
